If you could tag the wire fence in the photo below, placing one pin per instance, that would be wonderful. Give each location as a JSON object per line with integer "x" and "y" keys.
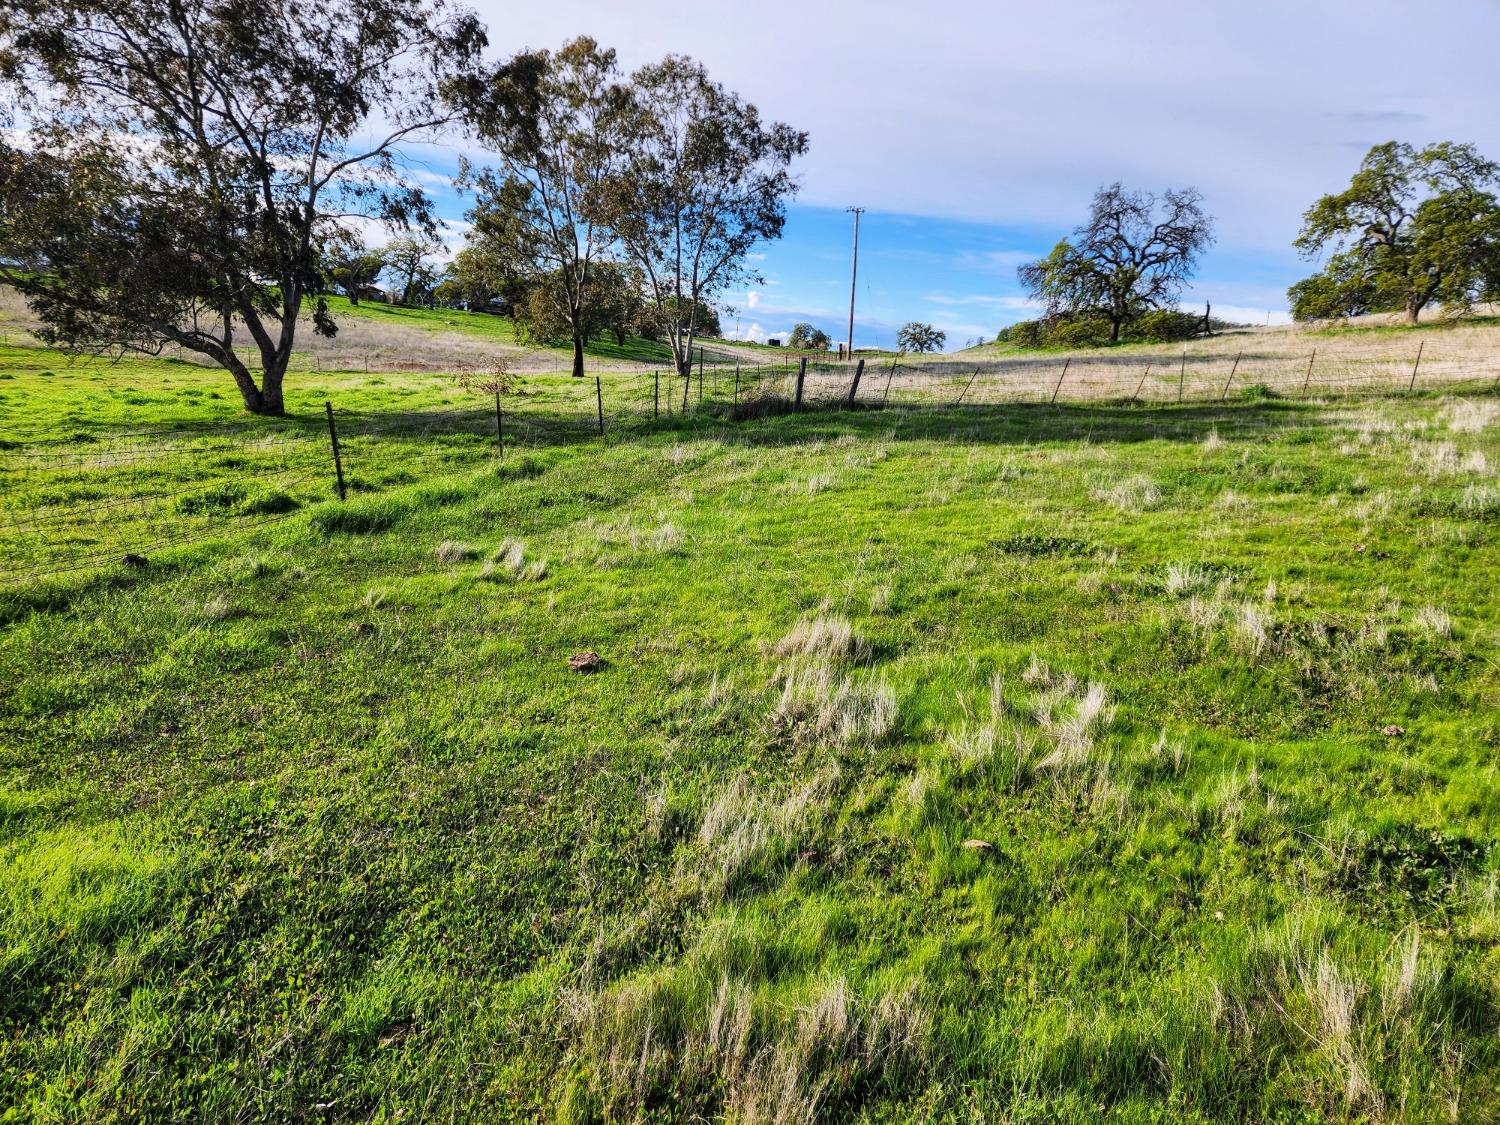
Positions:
{"x": 75, "y": 497}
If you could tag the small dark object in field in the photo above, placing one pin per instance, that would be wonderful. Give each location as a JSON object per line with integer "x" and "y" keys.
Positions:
{"x": 137, "y": 561}
{"x": 1393, "y": 730}
{"x": 979, "y": 845}
{"x": 585, "y": 661}
{"x": 364, "y": 628}
{"x": 1359, "y": 548}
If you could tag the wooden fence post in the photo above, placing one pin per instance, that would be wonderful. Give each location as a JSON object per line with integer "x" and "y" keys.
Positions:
{"x": 970, "y": 383}
{"x": 655, "y": 394}
{"x": 499, "y": 425}
{"x": 1306, "y": 379}
{"x": 1413, "y": 384}
{"x": 1182, "y": 374}
{"x": 1229, "y": 380}
{"x": 886, "y": 397}
{"x": 599, "y": 398}
{"x": 1066, "y": 364}
{"x": 736, "y": 382}
{"x": 333, "y": 438}
{"x": 859, "y": 370}
{"x": 1141, "y": 384}
{"x": 801, "y": 377}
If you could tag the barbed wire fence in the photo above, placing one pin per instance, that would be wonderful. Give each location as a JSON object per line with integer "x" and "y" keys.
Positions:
{"x": 79, "y": 498}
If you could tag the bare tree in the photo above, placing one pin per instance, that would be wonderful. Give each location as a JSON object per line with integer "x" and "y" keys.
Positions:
{"x": 187, "y": 162}
{"x": 1127, "y": 259}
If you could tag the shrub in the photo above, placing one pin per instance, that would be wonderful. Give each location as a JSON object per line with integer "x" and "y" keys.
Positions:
{"x": 1164, "y": 326}
{"x": 1023, "y": 334}
{"x": 1083, "y": 332}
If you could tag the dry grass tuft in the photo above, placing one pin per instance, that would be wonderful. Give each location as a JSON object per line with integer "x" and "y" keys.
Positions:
{"x": 829, "y": 638}
{"x": 451, "y": 551}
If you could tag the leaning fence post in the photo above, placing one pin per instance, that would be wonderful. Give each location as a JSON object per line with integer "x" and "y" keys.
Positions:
{"x": 1413, "y": 384}
{"x": 970, "y": 383}
{"x": 599, "y": 398}
{"x": 1229, "y": 380}
{"x": 1306, "y": 379}
{"x": 886, "y": 397}
{"x": 859, "y": 369}
{"x": 1141, "y": 384}
{"x": 333, "y": 438}
{"x": 801, "y": 376}
{"x": 1060, "y": 378}
{"x": 499, "y": 425}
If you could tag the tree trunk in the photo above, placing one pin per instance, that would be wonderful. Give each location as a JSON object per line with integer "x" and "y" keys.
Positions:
{"x": 1114, "y": 330}
{"x": 265, "y": 399}
{"x": 1413, "y": 311}
{"x": 577, "y": 356}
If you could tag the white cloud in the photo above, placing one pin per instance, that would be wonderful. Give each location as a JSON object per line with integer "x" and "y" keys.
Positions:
{"x": 752, "y": 299}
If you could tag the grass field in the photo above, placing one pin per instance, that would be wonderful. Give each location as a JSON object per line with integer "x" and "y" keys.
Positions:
{"x": 1100, "y": 761}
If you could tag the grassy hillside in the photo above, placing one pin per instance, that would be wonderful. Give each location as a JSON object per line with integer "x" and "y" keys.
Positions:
{"x": 1016, "y": 763}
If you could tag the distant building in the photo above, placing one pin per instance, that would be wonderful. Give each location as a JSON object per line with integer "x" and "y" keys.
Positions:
{"x": 773, "y": 343}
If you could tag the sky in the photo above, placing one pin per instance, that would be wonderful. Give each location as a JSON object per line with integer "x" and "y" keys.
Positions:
{"x": 975, "y": 134}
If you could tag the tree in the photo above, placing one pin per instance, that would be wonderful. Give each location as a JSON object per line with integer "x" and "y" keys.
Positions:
{"x": 613, "y": 305}
{"x": 554, "y": 121}
{"x": 706, "y": 180}
{"x": 499, "y": 261}
{"x": 353, "y": 269}
{"x": 188, "y": 162}
{"x": 1414, "y": 227}
{"x": 915, "y": 337}
{"x": 805, "y": 337}
{"x": 408, "y": 260}
{"x": 1126, "y": 260}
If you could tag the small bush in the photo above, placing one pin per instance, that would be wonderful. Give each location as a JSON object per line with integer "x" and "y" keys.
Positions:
{"x": 1084, "y": 332}
{"x": 1164, "y": 326}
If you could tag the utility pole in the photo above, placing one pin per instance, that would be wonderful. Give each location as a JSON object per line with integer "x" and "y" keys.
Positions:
{"x": 853, "y": 275}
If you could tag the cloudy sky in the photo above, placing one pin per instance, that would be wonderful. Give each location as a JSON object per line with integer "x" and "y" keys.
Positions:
{"x": 975, "y": 134}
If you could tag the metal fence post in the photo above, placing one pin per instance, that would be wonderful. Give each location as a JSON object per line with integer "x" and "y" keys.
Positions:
{"x": 333, "y": 438}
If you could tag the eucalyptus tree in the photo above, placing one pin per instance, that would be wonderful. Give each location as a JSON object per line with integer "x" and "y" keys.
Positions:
{"x": 705, "y": 181}
{"x": 1134, "y": 254}
{"x": 1414, "y": 227}
{"x": 185, "y": 163}
{"x": 554, "y": 121}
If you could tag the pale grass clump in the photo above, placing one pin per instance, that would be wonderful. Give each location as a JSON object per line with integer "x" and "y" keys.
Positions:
{"x": 373, "y": 598}
{"x": 221, "y": 607}
{"x": 1475, "y": 463}
{"x": 508, "y": 561}
{"x": 1232, "y": 503}
{"x": 1185, "y": 578}
{"x": 881, "y": 597}
{"x": 1213, "y": 441}
{"x": 1434, "y": 621}
{"x": 749, "y": 1058}
{"x": 821, "y": 482}
{"x": 1436, "y": 459}
{"x": 1479, "y": 501}
{"x": 996, "y": 746}
{"x": 1253, "y": 624}
{"x": 743, "y": 830}
{"x": 1469, "y": 417}
{"x": 829, "y": 638}
{"x": 815, "y": 705}
{"x": 1132, "y": 494}
{"x": 451, "y": 551}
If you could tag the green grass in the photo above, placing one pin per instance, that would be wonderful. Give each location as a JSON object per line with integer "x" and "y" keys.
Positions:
{"x": 1017, "y": 763}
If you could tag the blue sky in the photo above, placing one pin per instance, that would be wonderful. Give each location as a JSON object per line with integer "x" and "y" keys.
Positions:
{"x": 975, "y": 135}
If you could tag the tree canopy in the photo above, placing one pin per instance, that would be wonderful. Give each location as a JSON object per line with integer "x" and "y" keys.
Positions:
{"x": 917, "y": 337}
{"x": 705, "y": 181}
{"x": 807, "y": 338}
{"x": 1134, "y": 254}
{"x": 1413, "y": 228}
{"x": 554, "y": 120}
{"x": 187, "y": 163}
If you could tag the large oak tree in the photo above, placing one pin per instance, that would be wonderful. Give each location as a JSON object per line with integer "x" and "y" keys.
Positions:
{"x": 1413, "y": 228}
{"x": 184, "y": 163}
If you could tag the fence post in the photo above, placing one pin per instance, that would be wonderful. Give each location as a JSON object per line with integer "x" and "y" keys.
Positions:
{"x": 655, "y": 394}
{"x": 1229, "y": 380}
{"x": 333, "y": 438}
{"x": 1066, "y": 363}
{"x": 499, "y": 425}
{"x": 1413, "y": 384}
{"x": 736, "y": 382}
{"x": 1182, "y": 374}
{"x": 1306, "y": 379}
{"x": 959, "y": 401}
{"x": 1142, "y": 383}
{"x": 801, "y": 376}
{"x": 859, "y": 369}
{"x": 886, "y": 397}
{"x": 599, "y": 398}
